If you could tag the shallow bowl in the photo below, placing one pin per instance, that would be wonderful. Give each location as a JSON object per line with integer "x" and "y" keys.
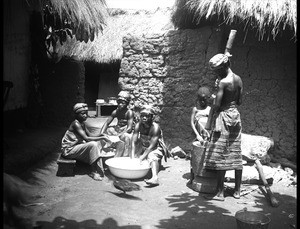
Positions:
{"x": 127, "y": 168}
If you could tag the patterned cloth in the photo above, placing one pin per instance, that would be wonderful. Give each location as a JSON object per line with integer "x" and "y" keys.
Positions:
{"x": 224, "y": 150}
{"x": 78, "y": 107}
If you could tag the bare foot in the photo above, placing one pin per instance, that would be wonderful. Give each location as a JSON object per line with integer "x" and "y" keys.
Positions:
{"x": 215, "y": 197}
{"x": 190, "y": 182}
{"x": 237, "y": 195}
{"x": 274, "y": 201}
{"x": 95, "y": 176}
{"x": 152, "y": 181}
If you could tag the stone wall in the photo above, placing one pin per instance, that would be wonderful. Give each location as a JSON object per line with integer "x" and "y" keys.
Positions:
{"x": 143, "y": 68}
{"x": 167, "y": 69}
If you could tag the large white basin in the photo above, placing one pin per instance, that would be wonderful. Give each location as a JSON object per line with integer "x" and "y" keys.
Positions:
{"x": 127, "y": 168}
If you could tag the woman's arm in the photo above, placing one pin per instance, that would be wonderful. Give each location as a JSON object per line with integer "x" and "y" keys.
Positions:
{"x": 129, "y": 117}
{"x": 78, "y": 128}
{"x": 134, "y": 139}
{"x": 108, "y": 121}
{"x": 219, "y": 96}
{"x": 240, "y": 92}
{"x": 198, "y": 136}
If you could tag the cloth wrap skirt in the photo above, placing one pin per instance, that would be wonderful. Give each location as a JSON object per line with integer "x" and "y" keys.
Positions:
{"x": 223, "y": 152}
{"x": 73, "y": 147}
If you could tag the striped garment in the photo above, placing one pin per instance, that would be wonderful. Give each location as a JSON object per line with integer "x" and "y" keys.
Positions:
{"x": 223, "y": 152}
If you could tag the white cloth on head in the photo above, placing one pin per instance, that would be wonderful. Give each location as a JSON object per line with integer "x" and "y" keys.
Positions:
{"x": 147, "y": 109}
{"x": 217, "y": 61}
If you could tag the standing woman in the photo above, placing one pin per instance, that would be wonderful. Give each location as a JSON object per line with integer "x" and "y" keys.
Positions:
{"x": 224, "y": 149}
{"x": 77, "y": 144}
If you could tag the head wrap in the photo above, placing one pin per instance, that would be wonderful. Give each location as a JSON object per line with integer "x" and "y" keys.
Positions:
{"x": 124, "y": 95}
{"x": 147, "y": 109}
{"x": 217, "y": 61}
{"x": 203, "y": 91}
{"x": 78, "y": 107}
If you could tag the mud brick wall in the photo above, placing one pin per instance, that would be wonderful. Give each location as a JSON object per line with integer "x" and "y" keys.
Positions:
{"x": 167, "y": 69}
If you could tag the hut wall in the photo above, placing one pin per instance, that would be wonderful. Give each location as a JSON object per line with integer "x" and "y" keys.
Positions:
{"x": 167, "y": 69}
{"x": 61, "y": 90}
{"x": 16, "y": 50}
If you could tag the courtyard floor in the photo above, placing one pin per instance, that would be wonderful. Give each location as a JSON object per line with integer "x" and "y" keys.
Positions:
{"x": 80, "y": 202}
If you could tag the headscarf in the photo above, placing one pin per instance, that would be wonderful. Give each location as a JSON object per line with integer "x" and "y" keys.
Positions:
{"x": 124, "y": 95}
{"x": 78, "y": 107}
{"x": 217, "y": 61}
{"x": 203, "y": 91}
{"x": 147, "y": 109}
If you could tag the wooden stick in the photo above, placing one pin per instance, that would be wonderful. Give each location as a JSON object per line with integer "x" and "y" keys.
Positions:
{"x": 229, "y": 43}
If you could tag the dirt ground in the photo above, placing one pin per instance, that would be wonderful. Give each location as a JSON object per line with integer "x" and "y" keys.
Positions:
{"x": 80, "y": 202}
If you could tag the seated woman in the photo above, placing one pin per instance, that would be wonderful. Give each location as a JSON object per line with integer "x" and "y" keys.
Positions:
{"x": 148, "y": 143}
{"x": 123, "y": 128}
{"x": 78, "y": 144}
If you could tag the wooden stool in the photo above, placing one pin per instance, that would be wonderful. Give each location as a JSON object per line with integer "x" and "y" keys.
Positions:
{"x": 65, "y": 166}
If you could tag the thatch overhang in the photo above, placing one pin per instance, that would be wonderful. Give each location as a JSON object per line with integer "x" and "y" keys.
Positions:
{"x": 107, "y": 46}
{"x": 85, "y": 18}
{"x": 267, "y": 17}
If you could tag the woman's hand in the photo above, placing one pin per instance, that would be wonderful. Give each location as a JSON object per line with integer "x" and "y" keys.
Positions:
{"x": 106, "y": 138}
{"x": 142, "y": 157}
{"x": 200, "y": 139}
{"x": 207, "y": 135}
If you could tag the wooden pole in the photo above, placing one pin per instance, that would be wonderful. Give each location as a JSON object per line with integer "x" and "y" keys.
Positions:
{"x": 230, "y": 42}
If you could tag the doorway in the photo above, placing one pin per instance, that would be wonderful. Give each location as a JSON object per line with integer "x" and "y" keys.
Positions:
{"x": 101, "y": 81}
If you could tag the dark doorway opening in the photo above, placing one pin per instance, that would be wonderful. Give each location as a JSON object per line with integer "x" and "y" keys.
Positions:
{"x": 101, "y": 81}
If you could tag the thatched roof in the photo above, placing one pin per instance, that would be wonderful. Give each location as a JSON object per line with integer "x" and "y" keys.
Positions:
{"x": 107, "y": 46}
{"x": 268, "y": 17}
{"x": 85, "y": 18}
